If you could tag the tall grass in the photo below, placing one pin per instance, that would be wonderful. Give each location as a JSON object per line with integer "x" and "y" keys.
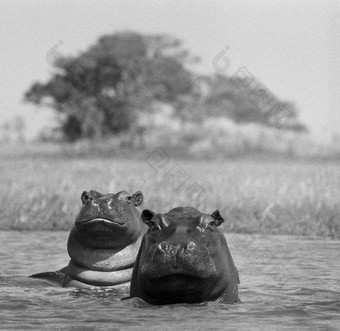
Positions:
{"x": 290, "y": 197}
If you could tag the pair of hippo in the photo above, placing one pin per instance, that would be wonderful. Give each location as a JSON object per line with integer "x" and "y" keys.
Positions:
{"x": 182, "y": 257}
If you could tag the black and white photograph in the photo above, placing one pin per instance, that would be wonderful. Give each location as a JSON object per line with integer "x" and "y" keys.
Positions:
{"x": 170, "y": 165}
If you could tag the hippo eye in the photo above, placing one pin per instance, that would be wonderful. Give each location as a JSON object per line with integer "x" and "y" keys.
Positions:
{"x": 124, "y": 196}
{"x": 206, "y": 223}
{"x": 128, "y": 199}
{"x": 201, "y": 228}
{"x": 154, "y": 227}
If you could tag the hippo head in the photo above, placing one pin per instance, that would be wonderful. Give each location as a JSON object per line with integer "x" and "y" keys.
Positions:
{"x": 108, "y": 220}
{"x": 183, "y": 258}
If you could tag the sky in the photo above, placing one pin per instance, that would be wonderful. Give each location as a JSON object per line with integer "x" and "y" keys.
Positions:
{"x": 292, "y": 47}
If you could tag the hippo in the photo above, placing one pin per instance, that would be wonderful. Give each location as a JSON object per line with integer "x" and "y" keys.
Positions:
{"x": 103, "y": 243}
{"x": 184, "y": 258}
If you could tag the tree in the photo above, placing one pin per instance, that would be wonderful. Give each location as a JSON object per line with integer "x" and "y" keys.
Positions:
{"x": 244, "y": 101}
{"x": 100, "y": 91}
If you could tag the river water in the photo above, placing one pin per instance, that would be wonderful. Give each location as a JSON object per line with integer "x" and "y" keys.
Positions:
{"x": 286, "y": 283}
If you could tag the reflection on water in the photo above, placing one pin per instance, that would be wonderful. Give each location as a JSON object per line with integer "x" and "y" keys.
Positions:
{"x": 286, "y": 282}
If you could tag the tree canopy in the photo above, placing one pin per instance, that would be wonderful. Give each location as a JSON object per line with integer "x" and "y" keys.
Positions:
{"x": 100, "y": 91}
{"x": 243, "y": 102}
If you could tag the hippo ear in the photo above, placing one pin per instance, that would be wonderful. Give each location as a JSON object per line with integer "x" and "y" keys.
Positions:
{"x": 217, "y": 217}
{"x": 137, "y": 198}
{"x": 147, "y": 216}
{"x": 84, "y": 197}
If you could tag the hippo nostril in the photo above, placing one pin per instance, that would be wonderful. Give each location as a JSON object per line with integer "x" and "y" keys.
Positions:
{"x": 95, "y": 204}
{"x": 163, "y": 246}
{"x": 191, "y": 246}
{"x": 109, "y": 203}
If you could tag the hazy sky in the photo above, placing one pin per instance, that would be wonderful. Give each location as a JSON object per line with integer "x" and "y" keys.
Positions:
{"x": 292, "y": 47}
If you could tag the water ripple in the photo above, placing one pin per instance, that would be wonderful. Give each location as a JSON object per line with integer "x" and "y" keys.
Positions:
{"x": 303, "y": 295}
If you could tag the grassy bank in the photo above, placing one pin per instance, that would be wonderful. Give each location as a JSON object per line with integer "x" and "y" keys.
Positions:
{"x": 286, "y": 197}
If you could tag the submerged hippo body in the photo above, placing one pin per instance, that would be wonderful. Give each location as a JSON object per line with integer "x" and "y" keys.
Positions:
{"x": 103, "y": 243}
{"x": 184, "y": 257}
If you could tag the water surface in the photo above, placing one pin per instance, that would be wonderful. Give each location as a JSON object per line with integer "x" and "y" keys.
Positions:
{"x": 286, "y": 283}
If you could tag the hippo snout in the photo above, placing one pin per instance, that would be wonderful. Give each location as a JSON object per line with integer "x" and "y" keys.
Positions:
{"x": 177, "y": 249}
{"x": 104, "y": 208}
{"x": 188, "y": 259}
